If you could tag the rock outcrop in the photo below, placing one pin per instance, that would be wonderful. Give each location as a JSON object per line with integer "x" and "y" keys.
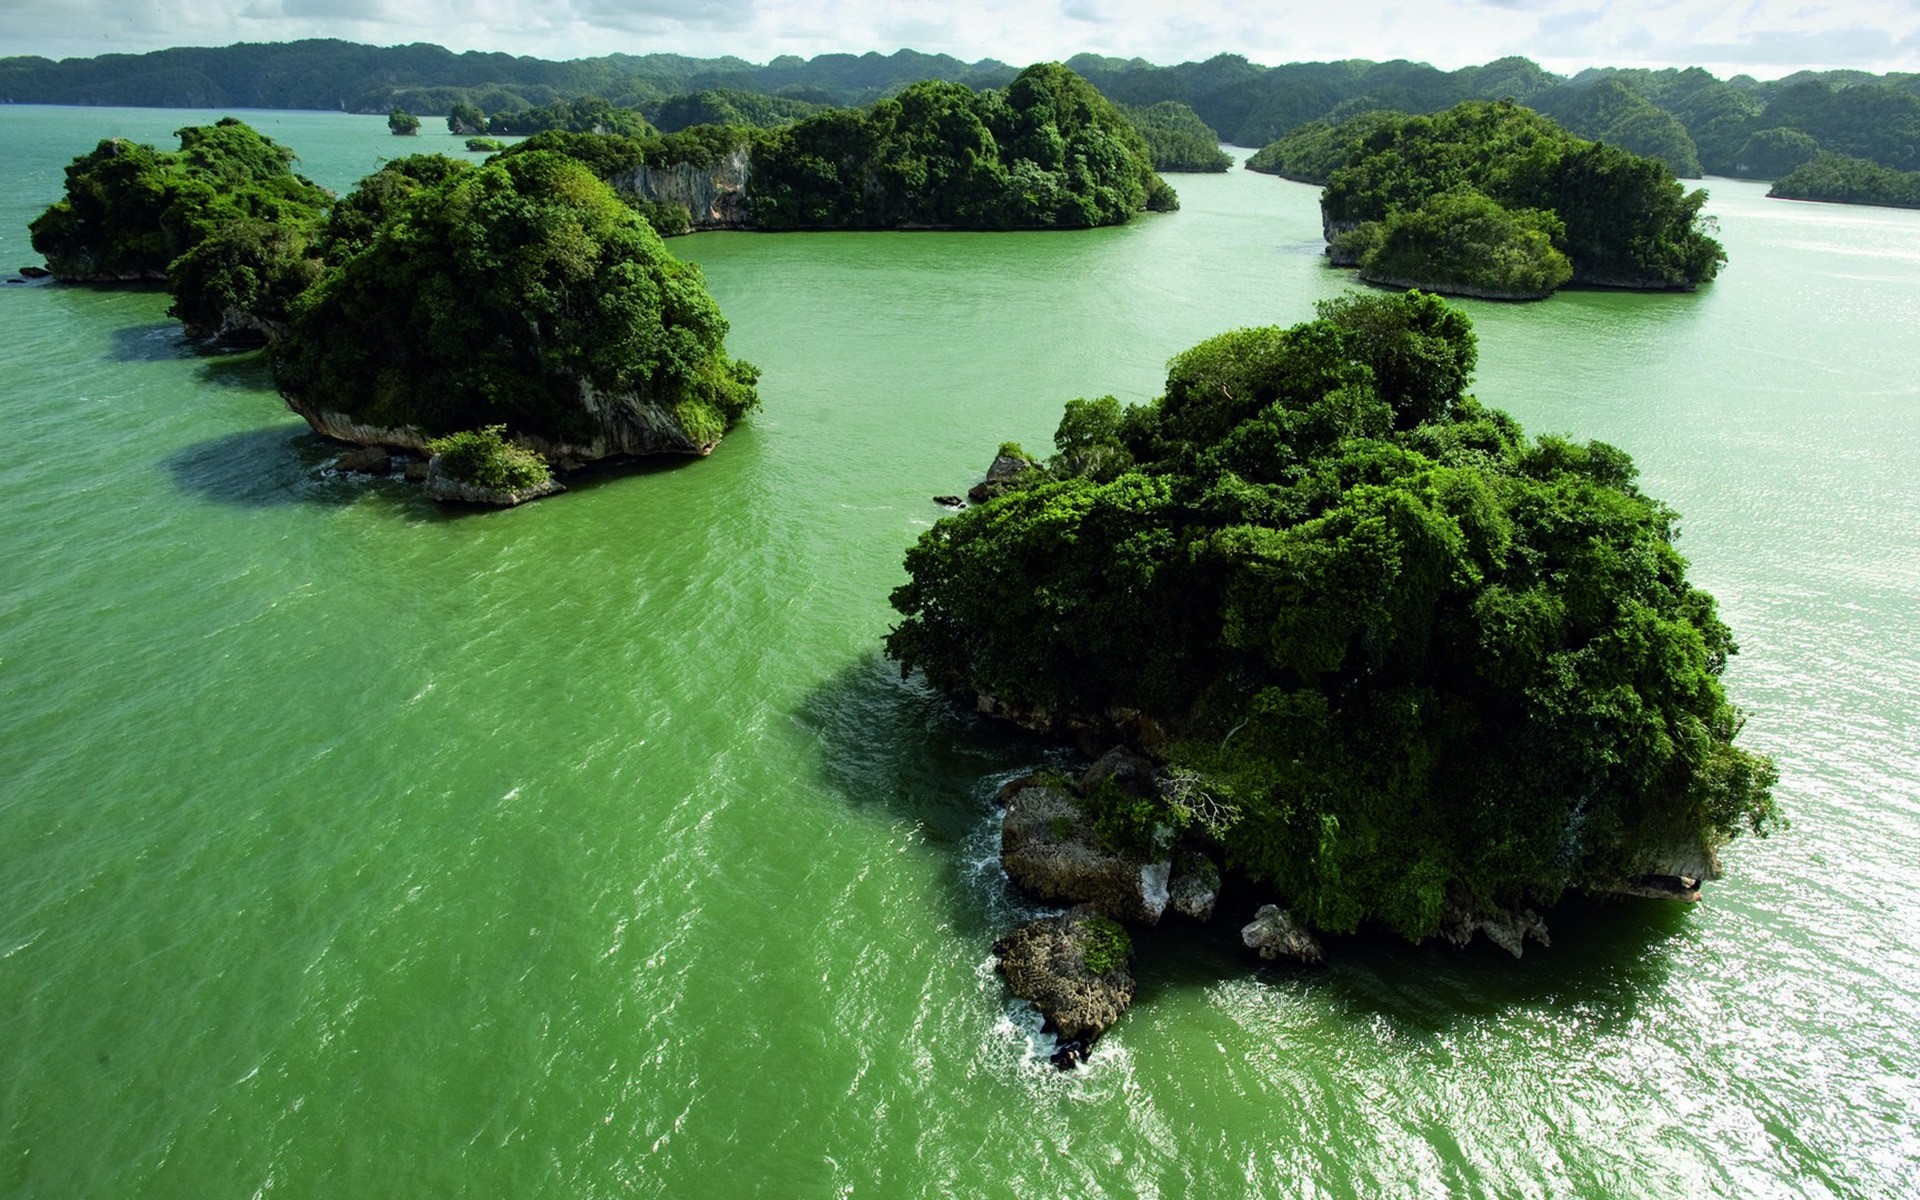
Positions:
{"x": 1273, "y": 933}
{"x": 1510, "y": 931}
{"x": 442, "y": 486}
{"x": 715, "y": 195}
{"x": 1002, "y": 477}
{"x": 625, "y": 424}
{"x": 1073, "y": 968}
{"x": 1049, "y": 847}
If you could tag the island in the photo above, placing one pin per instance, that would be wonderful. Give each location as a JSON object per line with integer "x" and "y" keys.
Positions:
{"x": 1839, "y": 179}
{"x": 1496, "y": 201}
{"x": 1360, "y": 643}
{"x": 503, "y": 319}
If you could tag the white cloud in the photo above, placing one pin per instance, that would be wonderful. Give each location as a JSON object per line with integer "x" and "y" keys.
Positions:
{"x": 1768, "y": 37}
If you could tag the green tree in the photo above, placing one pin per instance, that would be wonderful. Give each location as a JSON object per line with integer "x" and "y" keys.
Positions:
{"x": 498, "y": 295}
{"x": 401, "y": 123}
{"x": 1416, "y": 658}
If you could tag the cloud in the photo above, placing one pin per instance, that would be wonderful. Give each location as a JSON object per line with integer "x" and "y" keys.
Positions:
{"x": 1769, "y": 37}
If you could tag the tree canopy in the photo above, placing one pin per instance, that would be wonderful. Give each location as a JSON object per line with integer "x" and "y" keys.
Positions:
{"x": 1412, "y": 656}
{"x": 130, "y": 210}
{"x": 1178, "y": 139}
{"x": 1618, "y": 218}
{"x": 1049, "y": 151}
{"x": 496, "y": 295}
{"x": 1837, "y": 179}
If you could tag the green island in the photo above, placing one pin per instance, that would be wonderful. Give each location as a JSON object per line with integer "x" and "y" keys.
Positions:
{"x": 1047, "y": 152}
{"x": 1496, "y": 201}
{"x": 1178, "y": 139}
{"x": 520, "y": 308}
{"x": 1838, "y": 179}
{"x": 1388, "y": 658}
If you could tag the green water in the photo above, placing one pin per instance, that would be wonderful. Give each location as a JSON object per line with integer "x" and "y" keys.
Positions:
{"x": 353, "y": 848}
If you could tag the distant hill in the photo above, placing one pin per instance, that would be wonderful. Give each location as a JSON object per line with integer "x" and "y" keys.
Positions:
{"x": 1688, "y": 118}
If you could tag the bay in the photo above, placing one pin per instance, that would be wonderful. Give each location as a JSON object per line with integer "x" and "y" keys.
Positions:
{"x": 349, "y": 846}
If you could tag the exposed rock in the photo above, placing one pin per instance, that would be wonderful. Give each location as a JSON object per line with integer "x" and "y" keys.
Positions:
{"x": 950, "y": 501}
{"x": 415, "y": 471}
{"x": 715, "y": 196}
{"x": 1001, "y": 478}
{"x": 1047, "y": 962}
{"x": 1507, "y": 930}
{"x": 35, "y": 273}
{"x": 442, "y": 486}
{"x": 1014, "y": 787}
{"x": 1091, "y": 731}
{"x": 1049, "y": 848}
{"x": 238, "y": 327}
{"x": 624, "y": 424}
{"x": 1450, "y": 289}
{"x": 1126, "y": 770}
{"x": 1195, "y": 888}
{"x": 1673, "y": 873}
{"x": 1273, "y": 933}
{"x": 367, "y": 460}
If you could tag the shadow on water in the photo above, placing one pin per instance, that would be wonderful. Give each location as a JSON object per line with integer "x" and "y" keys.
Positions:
{"x": 900, "y": 746}
{"x": 266, "y": 468}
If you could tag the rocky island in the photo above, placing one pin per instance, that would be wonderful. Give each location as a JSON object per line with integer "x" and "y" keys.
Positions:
{"x": 518, "y": 312}
{"x": 1370, "y": 650}
{"x": 1496, "y": 201}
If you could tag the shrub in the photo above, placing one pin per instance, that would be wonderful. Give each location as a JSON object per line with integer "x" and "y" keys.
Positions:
{"x": 485, "y": 457}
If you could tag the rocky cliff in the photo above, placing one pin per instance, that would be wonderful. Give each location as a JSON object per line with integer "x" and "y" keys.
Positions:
{"x": 624, "y": 425}
{"x": 715, "y": 195}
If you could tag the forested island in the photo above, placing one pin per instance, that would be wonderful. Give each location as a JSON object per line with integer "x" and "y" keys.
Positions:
{"x": 1386, "y": 657}
{"x": 502, "y": 317}
{"x": 1045, "y": 152}
{"x": 1837, "y": 179}
{"x": 1497, "y": 201}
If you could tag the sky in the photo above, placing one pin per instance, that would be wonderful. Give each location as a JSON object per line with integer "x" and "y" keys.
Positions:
{"x": 1765, "y": 38}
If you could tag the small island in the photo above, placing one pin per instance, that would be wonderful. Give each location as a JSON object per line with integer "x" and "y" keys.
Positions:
{"x": 1364, "y": 645}
{"x": 1495, "y": 201}
{"x": 503, "y": 319}
{"x": 1838, "y": 179}
{"x": 1047, "y": 152}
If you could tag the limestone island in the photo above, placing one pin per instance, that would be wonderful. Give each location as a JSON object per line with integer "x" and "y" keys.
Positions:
{"x": 505, "y": 319}
{"x": 1492, "y": 200}
{"x": 1340, "y": 634}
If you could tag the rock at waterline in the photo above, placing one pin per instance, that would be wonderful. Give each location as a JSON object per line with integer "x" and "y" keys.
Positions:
{"x": 1073, "y": 968}
{"x": 1049, "y": 847}
{"x": 1001, "y": 477}
{"x": 442, "y": 486}
{"x": 364, "y": 460}
{"x": 1274, "y": 934}
{"x": 1510, "y": 931}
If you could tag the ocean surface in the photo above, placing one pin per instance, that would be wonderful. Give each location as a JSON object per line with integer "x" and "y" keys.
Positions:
{"x": 350, "y": 846}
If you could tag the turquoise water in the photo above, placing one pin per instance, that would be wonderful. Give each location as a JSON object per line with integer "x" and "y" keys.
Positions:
{"x": 352, "y": 847}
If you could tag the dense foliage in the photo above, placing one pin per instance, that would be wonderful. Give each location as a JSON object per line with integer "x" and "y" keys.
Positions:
{"x": 402, "y": 123}
{"x": 1846, "y": 112}
{"x": 1614, "y": 113}
{"x": 1406, "y": 655}
{"x": 587, "y": 114}
{"x": 730, "y": 106}
{"x": 1619, "y": 219}
{"x": 1177, "y": 139}
{"x": 1462, "y": 242}
{"x": 492, "y": 294}
{"x": 1314, "y": 151}
{"x": 484, "y": 456}
{"x": 129, "y": 210}
{"x": 1841, "y": 180}
{"x": 1048, "y": 151}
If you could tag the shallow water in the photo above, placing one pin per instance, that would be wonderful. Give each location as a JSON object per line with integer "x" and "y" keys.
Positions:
{"x": 350, "y": 847}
